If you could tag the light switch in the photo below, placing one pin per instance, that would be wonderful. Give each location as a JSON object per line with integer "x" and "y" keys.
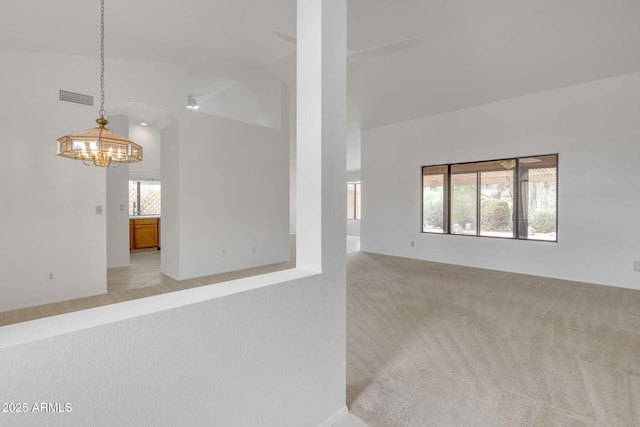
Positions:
{"x": 121, "y": 207}
{"x": 98, "y": 210}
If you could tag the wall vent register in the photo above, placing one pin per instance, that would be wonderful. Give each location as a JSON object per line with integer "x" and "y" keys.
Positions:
{"x": 77, "y": 98}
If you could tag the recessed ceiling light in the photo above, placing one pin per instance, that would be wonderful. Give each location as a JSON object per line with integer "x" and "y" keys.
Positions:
{"x": 192, "y": 104}
{"x": 143, "y": 123}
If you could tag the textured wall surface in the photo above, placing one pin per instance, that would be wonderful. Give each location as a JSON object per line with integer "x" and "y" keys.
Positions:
{"x": 200, "y": 357}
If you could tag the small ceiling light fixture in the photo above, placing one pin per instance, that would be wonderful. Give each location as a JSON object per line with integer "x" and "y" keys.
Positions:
{"x": 508, "y": 164}
{"x": 192, "y": 104}
{"x": 143, "y": 123}
{"x": 100, "y": 146}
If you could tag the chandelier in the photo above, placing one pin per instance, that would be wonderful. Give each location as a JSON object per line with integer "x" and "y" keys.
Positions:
{"x": 100, "y": 146}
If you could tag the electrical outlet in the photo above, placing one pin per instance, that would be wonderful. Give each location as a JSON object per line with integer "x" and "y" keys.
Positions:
{"x": 253, "y": 251}
{"x": 636, "y": 265}
{"x": 51, "y": 277}
{"x": 413, "y": 244}
{"x": 98, "y": 210}
{"x": 224, "y": 253}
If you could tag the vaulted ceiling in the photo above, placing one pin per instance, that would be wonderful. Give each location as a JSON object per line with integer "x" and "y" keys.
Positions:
{"x": 453, "y": 53}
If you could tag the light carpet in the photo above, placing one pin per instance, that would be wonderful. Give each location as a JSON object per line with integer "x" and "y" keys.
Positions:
{"x": 438, "y": 345}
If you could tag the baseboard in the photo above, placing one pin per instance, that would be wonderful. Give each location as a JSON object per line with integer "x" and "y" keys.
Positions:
{"x": 49, "y": 301}
{"x": 334, "y": 419}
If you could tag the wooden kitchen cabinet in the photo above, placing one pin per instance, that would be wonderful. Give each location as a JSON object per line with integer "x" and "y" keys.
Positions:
{"x": 143, "y": 233}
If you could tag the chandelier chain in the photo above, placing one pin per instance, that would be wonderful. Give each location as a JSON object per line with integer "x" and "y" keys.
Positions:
{"x": 102, "y": 111}
{"x": 100, "y": 146}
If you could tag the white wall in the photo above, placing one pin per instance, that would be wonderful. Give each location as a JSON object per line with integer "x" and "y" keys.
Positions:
{"x": 595, "y": 129}
{"x": 232, "y": 196}
{"x": 354, "y": 142}
{"x": 150, "y": 139}
{"x": 256, "y": 101}
{"x": 269, "y": 356}
{"x": 293, "y": 167}
{"x": 48, "y": 223}
{"x": 117, "y": 208}
{"x": 353, "y": 227}
{"x": 170, "y": 222}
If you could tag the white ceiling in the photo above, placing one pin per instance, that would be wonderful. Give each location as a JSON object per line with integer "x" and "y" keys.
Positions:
{"x": 469, "y": 52}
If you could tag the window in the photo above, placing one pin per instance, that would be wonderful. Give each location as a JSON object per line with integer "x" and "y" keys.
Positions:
{"x": 434, "y": 208}
{"x": 353, "y": 200}
{"x": 511, "y": 198}
{"x": 144, "y": 197}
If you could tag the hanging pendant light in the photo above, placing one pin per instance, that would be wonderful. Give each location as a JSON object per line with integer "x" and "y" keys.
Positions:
{"x": 100, "y": 146}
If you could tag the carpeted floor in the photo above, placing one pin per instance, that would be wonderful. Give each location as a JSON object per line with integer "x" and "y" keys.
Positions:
{"x": 438, "y": 345}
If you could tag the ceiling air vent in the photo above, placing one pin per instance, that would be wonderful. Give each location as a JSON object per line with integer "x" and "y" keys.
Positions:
{"x": 78, "y": 98}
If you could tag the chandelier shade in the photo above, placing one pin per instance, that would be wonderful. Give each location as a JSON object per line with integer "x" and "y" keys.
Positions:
{"x": 99, "y": 146}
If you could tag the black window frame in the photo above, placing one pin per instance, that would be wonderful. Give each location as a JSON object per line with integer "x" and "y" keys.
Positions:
{"x": 520, "y": 219}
